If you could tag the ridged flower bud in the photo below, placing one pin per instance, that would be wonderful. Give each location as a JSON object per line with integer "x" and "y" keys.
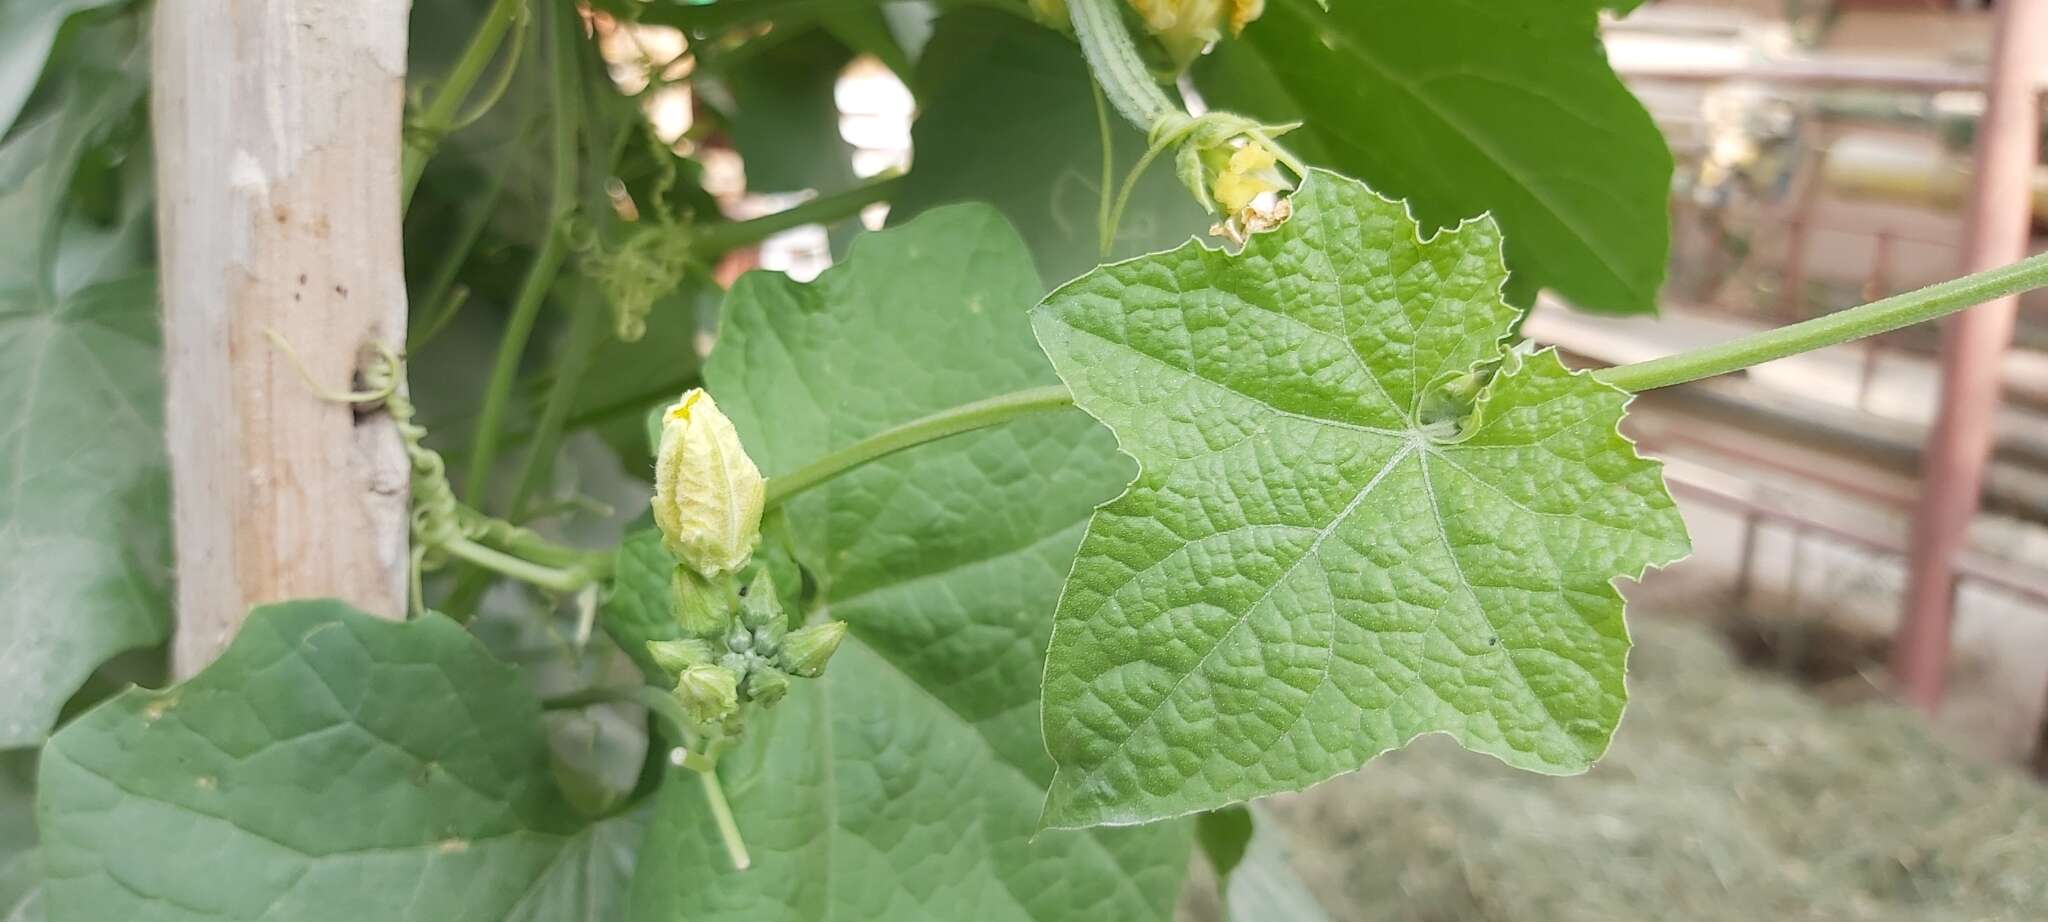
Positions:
{"x": 676, "y": 656}
{"x": 701, "y": 606}
{"x": 805, "y": 652}
{"x": 708, "y": 694}
{"x": 766, "y": 685}
{"x": 707, "y": 493}
{"x": 761, "y": 609}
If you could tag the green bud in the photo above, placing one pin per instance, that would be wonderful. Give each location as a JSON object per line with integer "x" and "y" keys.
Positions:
{"x": 675, "y": 656}
{"x": 708, "y": 694}
{"x": 766, "y": 685}
{"x": 805, "y": 652}
{"x": 762, "y": 608}
{"x": 702, "y": 607}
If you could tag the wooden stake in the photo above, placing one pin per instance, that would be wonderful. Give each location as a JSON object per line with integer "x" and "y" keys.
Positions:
{"x": 277, "y": 142}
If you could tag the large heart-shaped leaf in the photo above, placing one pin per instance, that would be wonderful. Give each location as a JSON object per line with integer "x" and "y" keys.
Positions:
{"x": 83, "y": 513}
{"x": 905, "y": 783}
{"x": 28, "y": 32}
{"x": 1470, "y": 106}
{"x": 329, "y": 765}
{"x": 1320, "y": 560}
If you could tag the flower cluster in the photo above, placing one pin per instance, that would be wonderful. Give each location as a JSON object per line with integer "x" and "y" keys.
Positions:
{"x": 736, "y": 647}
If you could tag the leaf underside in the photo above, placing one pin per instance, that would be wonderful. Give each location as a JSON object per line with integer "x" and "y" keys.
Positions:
{"x": 905, "y": 783}
{"x": 1305, "y": 573}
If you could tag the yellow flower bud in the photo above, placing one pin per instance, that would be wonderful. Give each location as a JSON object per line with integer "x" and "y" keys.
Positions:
{"x": 707, "y": 493}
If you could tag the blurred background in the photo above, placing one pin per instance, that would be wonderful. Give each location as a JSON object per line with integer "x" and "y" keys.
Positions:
{"x": 1767, "y": 768}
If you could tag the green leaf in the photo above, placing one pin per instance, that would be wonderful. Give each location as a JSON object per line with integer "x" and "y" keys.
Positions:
{"x": 329, "y": 765}
{"x": 1224, "y": 833}
{"x": 83, "y": 517}
{"x": 904, "y": 783}
{"x": 1009, "y": 118}
{"x": 1263, "y": 884}
{"x": 28, "y": 33}
{"x": 1309, "y": 571}
{"x": 21, "y": 867}
{"x": 596, "y": 751}
{"x": 1468, "y": 106}
{"x": 784, "y": 120}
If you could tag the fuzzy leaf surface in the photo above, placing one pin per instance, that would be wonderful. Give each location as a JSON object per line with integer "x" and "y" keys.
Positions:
{"x": 905, "y": 783}
{"x": 1307, "y": 572}
{"x": 329, "y": 765}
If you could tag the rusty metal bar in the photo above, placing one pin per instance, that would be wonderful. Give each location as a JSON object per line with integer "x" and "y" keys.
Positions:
{"x": 1993, "y": 572}
{"x": 1850, "y": 72}
{"x": 1973, "y": 345}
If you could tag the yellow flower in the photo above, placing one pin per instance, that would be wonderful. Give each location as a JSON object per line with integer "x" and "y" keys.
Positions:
{"x": 1249, "y": 173}
{"x": 707, "y": 493}
{"x": 1186, "y": 27}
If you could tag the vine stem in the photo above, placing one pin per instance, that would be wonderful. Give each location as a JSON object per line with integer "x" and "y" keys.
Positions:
{"x": 966, "y": 417}
{"x": 721, "y": 814}
{"x": 518, "y": 568}
{"x": 1114, "y": 60}
{"x": 440, "y": 114}
{"x": 541, "y": 274}
{"x": 1876, "y": 317}
{"x": 1842, "y": 326}
{"x": 720, "y": 237}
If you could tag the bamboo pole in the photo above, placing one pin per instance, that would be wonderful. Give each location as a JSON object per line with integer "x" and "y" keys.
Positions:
{"x": 277, "y": 129}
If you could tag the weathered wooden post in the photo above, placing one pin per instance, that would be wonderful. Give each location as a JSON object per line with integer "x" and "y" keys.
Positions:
{"x": 278, "y": 142}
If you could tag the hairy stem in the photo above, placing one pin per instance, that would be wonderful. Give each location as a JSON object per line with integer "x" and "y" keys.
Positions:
{"x": 1113, "y": 58}
{"x": 966, "y": 417}
{"x": 541, "y": 274}
{"x": 1875, "y": 317}
{"x": 440, "y": 114}
{"x": 1842, "y": 326}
